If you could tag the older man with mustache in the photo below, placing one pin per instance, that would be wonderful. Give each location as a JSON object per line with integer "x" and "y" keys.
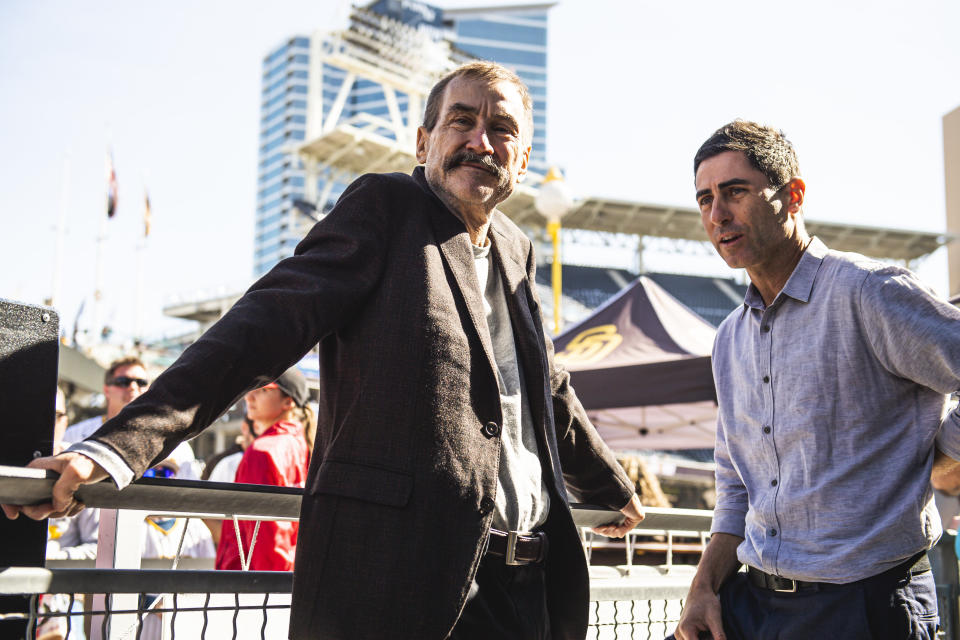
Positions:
{"x": 436, "y": 502}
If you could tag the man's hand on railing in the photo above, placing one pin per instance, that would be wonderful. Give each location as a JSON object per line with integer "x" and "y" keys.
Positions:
{"x": 75, "y": 469}
{"x": 632, "y": 516}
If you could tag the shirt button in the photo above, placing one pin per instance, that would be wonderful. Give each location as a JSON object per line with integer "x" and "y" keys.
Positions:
{"x": 773, "y": 482}
{"x": 766, "y": 429}
{"x": 491, "y": 429}
{"x": 486, "y": 505}
{"x": 773, "y": 532}
{"x": 765, "y": 328}
{"x": 766, "y": 378}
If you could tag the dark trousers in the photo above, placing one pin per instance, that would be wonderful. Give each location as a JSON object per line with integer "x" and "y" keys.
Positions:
{"x": 884, "y": 607}
{"x": 506, "y": 603}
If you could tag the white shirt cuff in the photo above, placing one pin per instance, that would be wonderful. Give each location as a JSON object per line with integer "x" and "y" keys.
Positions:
{"x": 112, "y": 463}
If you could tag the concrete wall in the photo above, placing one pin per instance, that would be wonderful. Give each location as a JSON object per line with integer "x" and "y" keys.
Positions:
{"x": 951, "y": 166}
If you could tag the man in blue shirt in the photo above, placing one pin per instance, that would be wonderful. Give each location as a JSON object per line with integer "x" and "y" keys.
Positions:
{"x": 833, "y": 380}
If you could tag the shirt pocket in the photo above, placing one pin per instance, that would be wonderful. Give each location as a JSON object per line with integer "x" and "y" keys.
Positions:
{"x": 359, "y": 481}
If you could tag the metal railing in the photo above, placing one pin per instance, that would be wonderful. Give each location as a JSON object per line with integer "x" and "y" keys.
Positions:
{"x": 631, "y": 601}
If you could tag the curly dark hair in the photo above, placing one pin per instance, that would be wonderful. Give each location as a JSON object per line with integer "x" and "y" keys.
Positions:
{"x": 767, "y": 149}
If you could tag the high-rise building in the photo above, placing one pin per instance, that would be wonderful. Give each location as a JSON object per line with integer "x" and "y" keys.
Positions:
{"x": 303, "y": 72}
{"x": 280, "y": 180}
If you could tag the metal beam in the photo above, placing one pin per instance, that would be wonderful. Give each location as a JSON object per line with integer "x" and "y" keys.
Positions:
{"x": 330, "y": 120}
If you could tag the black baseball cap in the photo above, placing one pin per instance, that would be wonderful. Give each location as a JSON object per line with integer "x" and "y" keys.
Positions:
{"x": 292, "y": 383}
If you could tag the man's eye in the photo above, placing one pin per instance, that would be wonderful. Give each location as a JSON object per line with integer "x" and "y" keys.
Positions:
{"x": 705, "y": 201}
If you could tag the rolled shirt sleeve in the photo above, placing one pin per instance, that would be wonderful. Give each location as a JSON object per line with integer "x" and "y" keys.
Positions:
{"x": 730, "y": 512}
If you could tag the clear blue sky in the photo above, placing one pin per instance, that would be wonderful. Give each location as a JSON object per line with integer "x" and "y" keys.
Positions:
{"x": 635, "y": 87}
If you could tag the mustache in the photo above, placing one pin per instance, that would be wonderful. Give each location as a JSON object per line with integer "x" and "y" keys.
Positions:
{"x": 464, "y": 156}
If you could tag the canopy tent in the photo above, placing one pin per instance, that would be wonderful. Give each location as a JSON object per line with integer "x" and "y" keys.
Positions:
{"x": 641, "y": 367}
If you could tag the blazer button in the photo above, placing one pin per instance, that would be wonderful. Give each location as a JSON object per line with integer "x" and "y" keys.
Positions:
{"x": 486, "y": 505}
{"x": 491, "y": 430}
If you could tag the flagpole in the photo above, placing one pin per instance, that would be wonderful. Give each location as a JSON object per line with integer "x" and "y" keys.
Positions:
{"x": 111, "y": 202}
{"x": 60, "y": 230}
{"x": 98, "y": 288}
{"x": 141, "y": 247}
{"x": 138, "y": 329}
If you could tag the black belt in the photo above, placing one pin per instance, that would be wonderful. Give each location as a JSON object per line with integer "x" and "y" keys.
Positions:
{"x": 517, "y": 549}
{"x": 913, "y": 566}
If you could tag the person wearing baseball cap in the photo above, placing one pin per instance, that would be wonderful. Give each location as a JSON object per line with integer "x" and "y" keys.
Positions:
{"x": 278, "y": 456}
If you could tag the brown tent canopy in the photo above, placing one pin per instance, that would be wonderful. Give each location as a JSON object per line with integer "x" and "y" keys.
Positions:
{"x": 641, "y": 367}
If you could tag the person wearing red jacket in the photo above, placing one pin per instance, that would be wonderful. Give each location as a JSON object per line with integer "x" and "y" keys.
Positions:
{"x": 278, "y": 456}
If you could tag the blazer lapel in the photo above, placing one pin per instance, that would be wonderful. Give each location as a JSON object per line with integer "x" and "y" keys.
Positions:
{"x": 454, "y": 243}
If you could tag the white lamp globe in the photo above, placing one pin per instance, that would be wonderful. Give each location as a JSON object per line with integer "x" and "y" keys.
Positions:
{"x": 553, "y": 199}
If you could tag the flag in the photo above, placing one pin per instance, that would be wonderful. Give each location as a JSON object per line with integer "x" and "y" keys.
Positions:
{"x": 111, "y": 186}
{"x": 146, "y": 214}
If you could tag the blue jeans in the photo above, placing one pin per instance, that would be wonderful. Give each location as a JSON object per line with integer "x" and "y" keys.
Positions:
{"x": 882, "y": 607}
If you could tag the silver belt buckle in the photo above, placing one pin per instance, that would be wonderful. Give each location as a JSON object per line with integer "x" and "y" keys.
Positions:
{"x": 792, "y": 589}
{"x": 511, "y": 554}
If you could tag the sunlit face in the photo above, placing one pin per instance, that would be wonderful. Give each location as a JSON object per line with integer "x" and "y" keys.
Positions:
{"x": 744, "y": 217}
{"x": 267, "y": 405}
{"x": 476, "y": 152}
{"x": 124, "y": 387}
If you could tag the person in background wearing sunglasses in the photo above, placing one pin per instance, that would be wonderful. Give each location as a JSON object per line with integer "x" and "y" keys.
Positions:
{"x": 123, "y": 382}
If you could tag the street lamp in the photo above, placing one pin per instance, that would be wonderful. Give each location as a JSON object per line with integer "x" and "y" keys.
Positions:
{"x": 553, "y": 201}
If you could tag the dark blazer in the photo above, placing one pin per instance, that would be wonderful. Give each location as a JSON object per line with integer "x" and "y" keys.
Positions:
{"x": 401, "y": 487}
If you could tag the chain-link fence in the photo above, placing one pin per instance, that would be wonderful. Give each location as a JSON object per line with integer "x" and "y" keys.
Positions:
{"x": 220, "y": 605}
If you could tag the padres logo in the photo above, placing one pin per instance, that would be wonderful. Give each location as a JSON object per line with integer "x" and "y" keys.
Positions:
{"x": 590, "y": 345}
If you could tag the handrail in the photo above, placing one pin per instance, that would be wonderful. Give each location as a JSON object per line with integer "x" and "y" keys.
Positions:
{"x": 21, "y": 485}
{"x": 18, "y": 580}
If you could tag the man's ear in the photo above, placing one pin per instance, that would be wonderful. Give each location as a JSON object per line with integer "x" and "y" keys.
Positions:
{"x": 524, "y": 163}
{"x": 796, "y": 189}
{"x": 423, "y": 141}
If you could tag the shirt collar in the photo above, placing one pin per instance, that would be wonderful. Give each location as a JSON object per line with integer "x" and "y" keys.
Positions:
{"x": 800, "y": 284}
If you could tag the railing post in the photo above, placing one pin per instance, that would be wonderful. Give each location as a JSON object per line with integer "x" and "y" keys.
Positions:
{"x": 118, "y": 547}
{"x": 28, "y": 379}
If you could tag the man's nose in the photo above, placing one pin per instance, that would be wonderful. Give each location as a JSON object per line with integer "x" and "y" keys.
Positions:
{"x": 479, "y": 142}
{"x": 719, "y": 213}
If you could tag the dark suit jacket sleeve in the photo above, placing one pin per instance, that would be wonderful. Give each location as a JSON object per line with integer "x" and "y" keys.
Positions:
{"x": 280, "y": 318}
{"x": 590, "y": 470}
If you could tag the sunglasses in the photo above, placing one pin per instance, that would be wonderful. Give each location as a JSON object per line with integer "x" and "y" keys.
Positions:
{"x": 159, "y": 472}
{"x": 124, "y": 381}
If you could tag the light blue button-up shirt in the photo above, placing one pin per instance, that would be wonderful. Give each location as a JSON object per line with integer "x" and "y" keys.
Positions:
{"x": 830, "y": 401}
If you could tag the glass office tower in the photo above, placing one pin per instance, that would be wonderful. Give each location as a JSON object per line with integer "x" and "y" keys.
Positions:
{"x": 515, "y": 36}
{"x": 283, "y": 118}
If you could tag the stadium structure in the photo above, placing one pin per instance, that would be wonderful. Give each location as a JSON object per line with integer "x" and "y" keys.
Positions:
{"x": 342, "y": 103}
